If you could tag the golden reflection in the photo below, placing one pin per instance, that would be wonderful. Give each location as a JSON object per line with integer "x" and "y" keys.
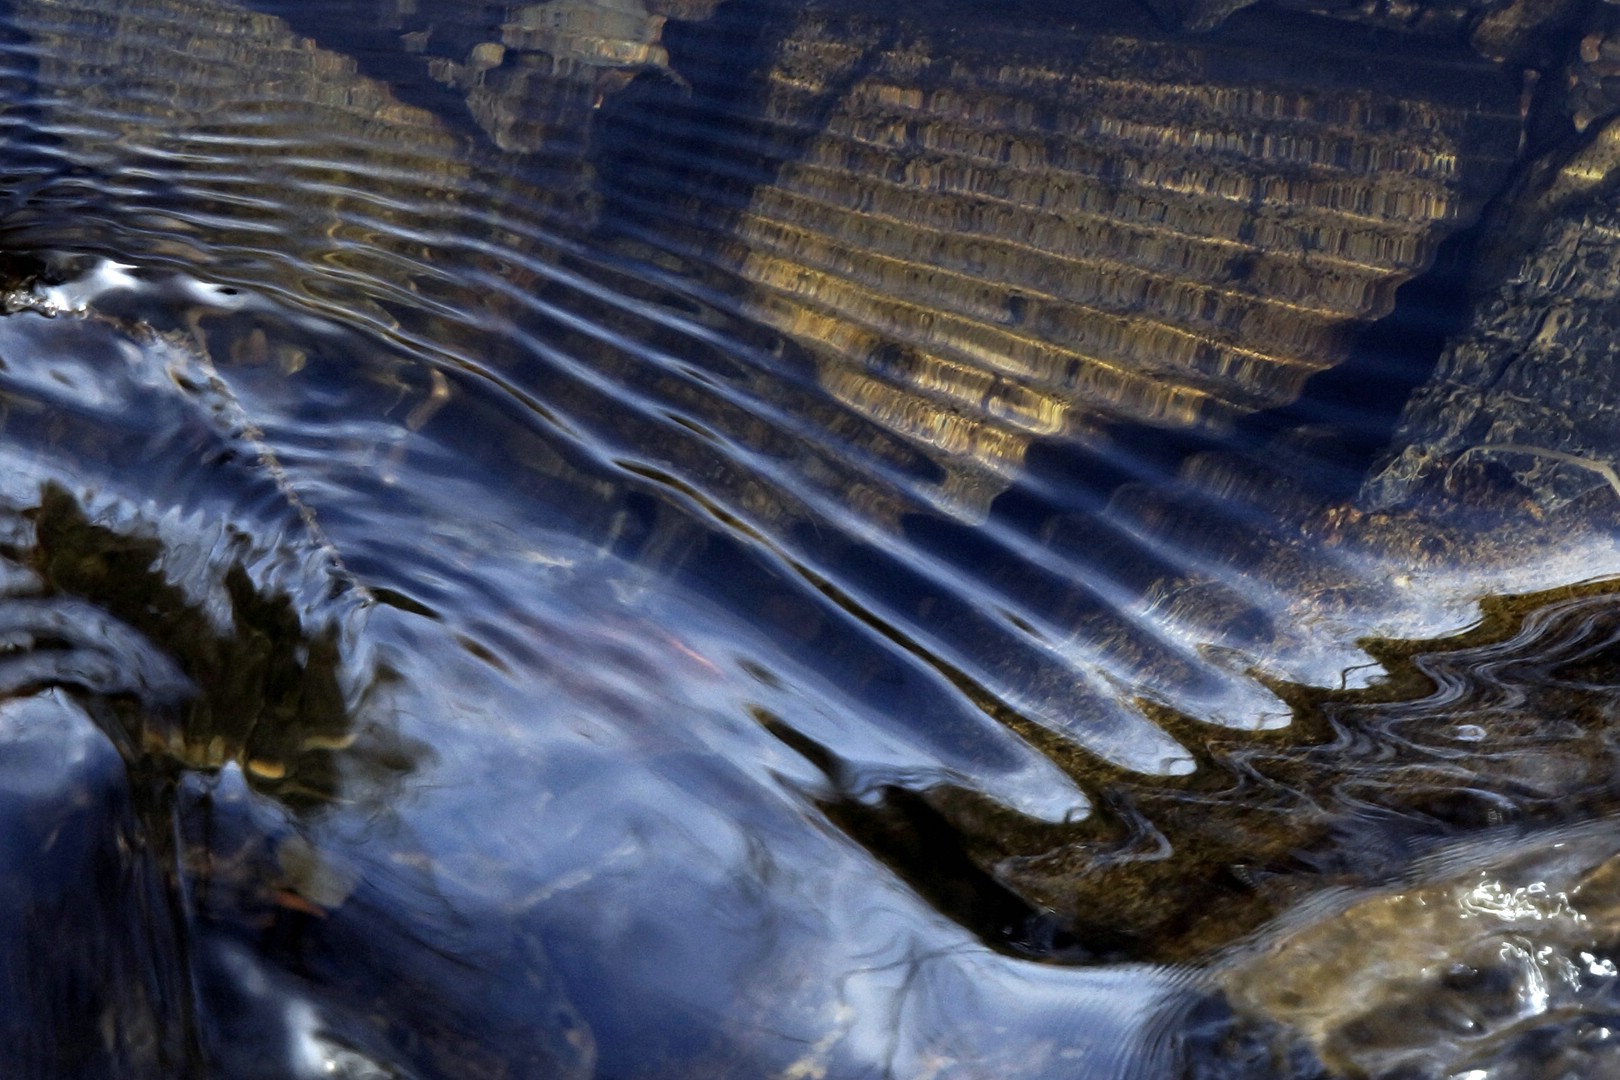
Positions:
{"x": 1026, "y": 241}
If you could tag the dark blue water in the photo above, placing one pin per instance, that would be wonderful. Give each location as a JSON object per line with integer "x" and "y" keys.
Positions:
{"x": 743, "y": 539}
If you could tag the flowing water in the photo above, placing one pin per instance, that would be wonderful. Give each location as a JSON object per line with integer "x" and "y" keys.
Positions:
{"x": 738, "y": 538}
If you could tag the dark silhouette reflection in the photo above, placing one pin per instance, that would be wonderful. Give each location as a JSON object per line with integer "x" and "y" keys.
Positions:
{"x": 200, "y": 919}
{"x": 261, "y": 691}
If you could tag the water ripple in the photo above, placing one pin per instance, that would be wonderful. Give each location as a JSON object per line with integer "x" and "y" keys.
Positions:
{"x": 804, "y": 425}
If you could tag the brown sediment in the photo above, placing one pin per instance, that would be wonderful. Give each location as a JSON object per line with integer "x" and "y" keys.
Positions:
{"x": 1509, "y": 722}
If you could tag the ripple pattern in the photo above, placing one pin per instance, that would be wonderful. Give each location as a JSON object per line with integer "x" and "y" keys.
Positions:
{"x": 934, "y": 351}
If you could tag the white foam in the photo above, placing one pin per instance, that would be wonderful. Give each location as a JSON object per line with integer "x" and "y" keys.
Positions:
{"x": 78, "y": 295}
{"x": 105, "y": 276}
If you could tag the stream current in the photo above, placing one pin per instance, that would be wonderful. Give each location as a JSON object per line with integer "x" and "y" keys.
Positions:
{"x": 629, "y": 539}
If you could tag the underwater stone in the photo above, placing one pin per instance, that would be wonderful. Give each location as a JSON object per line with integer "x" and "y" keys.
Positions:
{"x": 1498, "y": 962}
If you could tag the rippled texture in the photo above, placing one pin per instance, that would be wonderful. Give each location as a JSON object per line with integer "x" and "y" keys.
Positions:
{"x": 990, "y": 240}
{"x": 905, "y": 239}
{"x": 668, "y": 538}
{"x": 1036, "y": 613}
{"x": 989, "y": 246}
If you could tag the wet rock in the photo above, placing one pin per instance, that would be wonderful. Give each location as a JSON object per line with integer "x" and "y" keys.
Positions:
{"x": 1523, "y": 29}
{"x": 538, "y": 86}
{"x": 1525, "y": 389}
{"x": 1499, "y": 964}
{"x": 1592, "y": 76}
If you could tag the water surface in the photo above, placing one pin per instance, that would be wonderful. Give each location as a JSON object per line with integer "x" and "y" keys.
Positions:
{"x": 742, "y": 539}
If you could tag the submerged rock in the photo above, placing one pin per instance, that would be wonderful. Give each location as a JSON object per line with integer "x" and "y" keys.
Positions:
{"x": 1497, "y": 963}
{"x": 996, "y": 236}
{"x": 1022, "y": 263}
{"x": 840, "y": 361}
{"x": 555, "y": 63}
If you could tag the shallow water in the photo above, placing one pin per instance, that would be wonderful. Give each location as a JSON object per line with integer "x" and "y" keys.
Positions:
{"x": 747, "y": 539}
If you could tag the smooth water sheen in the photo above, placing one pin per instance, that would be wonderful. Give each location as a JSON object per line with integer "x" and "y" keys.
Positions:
{"x": 640, "y": 538}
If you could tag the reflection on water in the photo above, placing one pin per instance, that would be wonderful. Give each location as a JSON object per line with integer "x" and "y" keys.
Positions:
{"x": 644, "y": 537}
